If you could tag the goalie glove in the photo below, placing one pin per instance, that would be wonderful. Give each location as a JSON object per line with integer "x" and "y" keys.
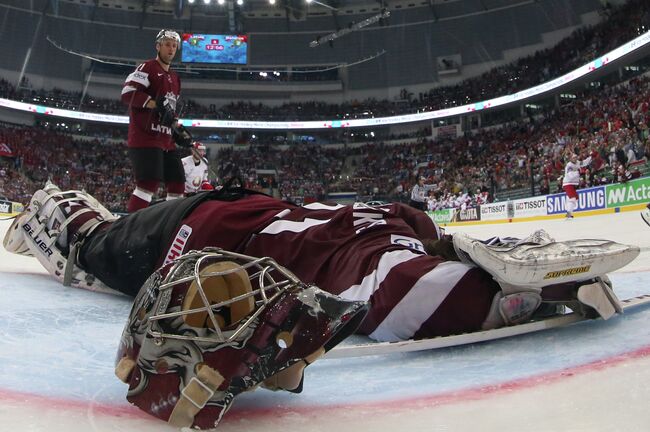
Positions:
{"x": 182, "y": 136}
{"x": 165, "y": 110}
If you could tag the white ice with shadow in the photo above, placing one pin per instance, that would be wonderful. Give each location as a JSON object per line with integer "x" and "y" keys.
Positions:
{"x": 60, "y": 343}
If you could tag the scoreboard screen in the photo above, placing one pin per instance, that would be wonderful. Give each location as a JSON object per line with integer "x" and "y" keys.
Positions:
{"x": 214, "y": 48}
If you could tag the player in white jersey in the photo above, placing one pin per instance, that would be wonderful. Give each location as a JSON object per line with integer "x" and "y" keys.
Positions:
{"x": 571, "y": 180}
{"x": 196, "y": 169}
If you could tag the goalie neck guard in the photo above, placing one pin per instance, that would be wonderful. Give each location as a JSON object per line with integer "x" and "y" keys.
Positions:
{"x": 213, "y": 324}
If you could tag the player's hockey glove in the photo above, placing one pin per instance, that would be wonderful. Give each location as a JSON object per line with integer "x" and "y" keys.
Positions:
{"x": 182, "y": 136}
{"x": 165, "y": 110}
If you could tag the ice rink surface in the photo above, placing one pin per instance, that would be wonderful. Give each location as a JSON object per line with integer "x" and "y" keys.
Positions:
{"x": 57, "y": 348}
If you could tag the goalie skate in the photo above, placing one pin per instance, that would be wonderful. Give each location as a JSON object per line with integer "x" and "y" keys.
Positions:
{"x": 534, "y": 266}
{"x": 42, "y": 231}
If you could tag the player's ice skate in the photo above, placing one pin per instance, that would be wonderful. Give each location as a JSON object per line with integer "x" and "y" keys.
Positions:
{"x": 49, "y": 228}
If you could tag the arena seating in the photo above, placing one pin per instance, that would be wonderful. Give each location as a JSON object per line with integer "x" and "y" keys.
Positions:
{"x": 519, "y": 158}
{"x": 611, "y": 125}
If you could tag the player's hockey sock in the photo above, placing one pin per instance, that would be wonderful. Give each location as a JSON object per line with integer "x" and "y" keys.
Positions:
{"x": 571, "y": 206}
{"x": 175, "y": 190}
{"x": 140, "y": 198}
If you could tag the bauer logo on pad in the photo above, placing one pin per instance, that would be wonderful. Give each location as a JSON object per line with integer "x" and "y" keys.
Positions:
{"x": 567, "y": 272}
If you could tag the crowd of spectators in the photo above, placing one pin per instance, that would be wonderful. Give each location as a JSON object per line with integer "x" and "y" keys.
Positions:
{"x": 98, "y": 167}
{"x": 299, "y": 172}
{"x": 620, "y": 24}
{"x": 611, "y": 125}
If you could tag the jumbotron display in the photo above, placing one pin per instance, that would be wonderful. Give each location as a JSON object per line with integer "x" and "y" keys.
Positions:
{"x": 214, "y": 48}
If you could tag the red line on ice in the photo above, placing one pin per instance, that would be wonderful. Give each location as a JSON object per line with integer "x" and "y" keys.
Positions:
{"x": 456, "y": 396}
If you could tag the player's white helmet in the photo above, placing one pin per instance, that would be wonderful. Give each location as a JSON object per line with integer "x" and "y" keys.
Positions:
{"x": 198, "y": 148}
{"x": 168, "y": 34}
{"x": 213, "y": 324}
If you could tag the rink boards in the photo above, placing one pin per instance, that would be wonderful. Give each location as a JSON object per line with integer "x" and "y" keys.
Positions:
{"x": 614, "y": 198}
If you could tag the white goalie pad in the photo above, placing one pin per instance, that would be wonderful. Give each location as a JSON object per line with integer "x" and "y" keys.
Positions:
{"x": 539, "y": 265}
{"x": 57, "y": 265}
{"x": 48, "y": 203}
{"x": 35, "y": 233}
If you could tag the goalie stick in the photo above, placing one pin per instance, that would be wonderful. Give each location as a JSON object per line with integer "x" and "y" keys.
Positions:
{"x": 381, "y": 348}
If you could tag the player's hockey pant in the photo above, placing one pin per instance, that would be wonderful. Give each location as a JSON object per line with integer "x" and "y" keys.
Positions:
{"x": 126, "y": 253}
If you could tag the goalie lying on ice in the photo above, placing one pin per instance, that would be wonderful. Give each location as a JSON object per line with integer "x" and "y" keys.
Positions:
{"x": 417, "y": 282}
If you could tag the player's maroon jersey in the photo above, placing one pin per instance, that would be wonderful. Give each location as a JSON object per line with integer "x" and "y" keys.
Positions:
{"x": 149, "y": 81}
{"x": 357, "y": 252}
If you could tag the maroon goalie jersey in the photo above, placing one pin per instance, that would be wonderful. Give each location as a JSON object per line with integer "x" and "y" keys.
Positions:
{"x": 358, "y": 252}
{"x": 149, "y": 81}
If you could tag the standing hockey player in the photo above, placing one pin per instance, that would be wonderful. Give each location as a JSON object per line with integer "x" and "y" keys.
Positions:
{"x": 571, "y": 180}
{"x": 196, "y": 170}
{"x": 151, "y": 92}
